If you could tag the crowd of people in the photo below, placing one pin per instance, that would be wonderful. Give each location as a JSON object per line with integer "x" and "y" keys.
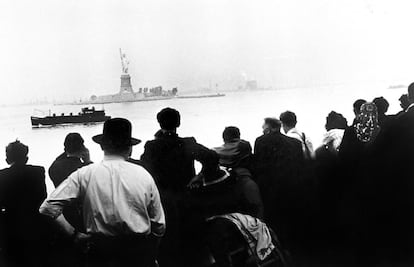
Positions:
{"x": 281, "y": 203}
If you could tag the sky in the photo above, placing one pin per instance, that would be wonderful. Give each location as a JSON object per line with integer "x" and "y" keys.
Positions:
{"x": 67, "y": 50}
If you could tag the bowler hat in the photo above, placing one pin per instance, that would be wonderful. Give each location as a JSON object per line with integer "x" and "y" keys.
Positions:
{"x": 116, "y": 132}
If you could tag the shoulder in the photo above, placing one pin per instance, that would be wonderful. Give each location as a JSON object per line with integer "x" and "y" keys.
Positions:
{"x": 138, "y": 162}
{"x": 136, "y": 169}
{"x": 296, "y": 142}
{"x": 35, "y": 168}
{"x": 37, "y": 172}
{"x": 135, "y": 166}
{"x": 4, "y": 172}
{"x": 188, "y": 140}
{"x": 85, "y": 170}
{"x": 151, "y": 143}
{"x": 261, "y": 138}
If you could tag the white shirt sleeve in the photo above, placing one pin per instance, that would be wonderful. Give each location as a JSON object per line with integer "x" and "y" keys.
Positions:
{"x": 65, "y": 193}
{"x": 156, "y": 212}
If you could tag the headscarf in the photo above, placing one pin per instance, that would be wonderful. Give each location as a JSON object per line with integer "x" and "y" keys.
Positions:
{"x": 366, "y": 126}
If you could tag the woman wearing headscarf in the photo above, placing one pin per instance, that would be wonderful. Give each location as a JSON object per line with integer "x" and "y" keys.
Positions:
{"x": 357, "y": 171}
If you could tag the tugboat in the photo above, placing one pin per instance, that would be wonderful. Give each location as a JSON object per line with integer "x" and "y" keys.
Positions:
{"x": 88, "y": 115}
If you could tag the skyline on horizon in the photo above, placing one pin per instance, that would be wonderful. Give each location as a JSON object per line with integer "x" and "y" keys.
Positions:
{"x": 63, "y": 50}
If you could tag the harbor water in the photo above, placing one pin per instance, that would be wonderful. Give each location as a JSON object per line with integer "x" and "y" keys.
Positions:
{"x": 203, "y": 118}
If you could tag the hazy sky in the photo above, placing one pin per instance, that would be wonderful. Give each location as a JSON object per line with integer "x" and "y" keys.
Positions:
{"x": 69, "y": 49}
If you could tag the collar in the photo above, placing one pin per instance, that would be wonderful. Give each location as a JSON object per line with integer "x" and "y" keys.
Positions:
{"x": 293, "y": 130}
{"x": 161, "y": 134}
{"x": 113, "y": 157}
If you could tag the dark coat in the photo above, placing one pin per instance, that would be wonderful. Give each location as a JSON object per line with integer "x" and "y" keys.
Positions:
{"x": 62, "y": 167}
{"x": 278, "y": 168}
{"x": 277, "y": 159}
{"x": 393, "y": 184}
{"x": 22, "y": 191}
{"x": 385, "y": 184}
{"x": 170, "y": 159}
{"x": 238, "y": 193}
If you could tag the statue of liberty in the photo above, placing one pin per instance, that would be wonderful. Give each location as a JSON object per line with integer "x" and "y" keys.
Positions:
{"x": 124, "y": 62}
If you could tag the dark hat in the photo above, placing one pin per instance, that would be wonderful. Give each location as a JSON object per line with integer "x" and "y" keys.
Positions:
{"x": 116, "y": 132}
{"x": 73, "y": 142}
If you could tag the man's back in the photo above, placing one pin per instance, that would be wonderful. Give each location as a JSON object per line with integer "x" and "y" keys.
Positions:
{"x": 22, "y": 189}
{"x": 118, "y": 197}
{"x": 276, "y": 155}
{"x": 62, "y": 167}
{"x": 170, "y": 159}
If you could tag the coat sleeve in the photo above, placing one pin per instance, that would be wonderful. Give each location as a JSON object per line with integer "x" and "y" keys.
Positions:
{"x": 208, "y": 158}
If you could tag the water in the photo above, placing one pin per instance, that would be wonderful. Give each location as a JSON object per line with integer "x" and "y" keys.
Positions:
{"x": 203, "y": 118}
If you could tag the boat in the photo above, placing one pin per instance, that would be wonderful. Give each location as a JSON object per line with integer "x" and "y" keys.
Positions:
{"x": 87, "y": 115}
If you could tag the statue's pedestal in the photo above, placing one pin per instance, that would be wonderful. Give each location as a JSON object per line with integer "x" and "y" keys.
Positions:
{"x": 126, "y": 86}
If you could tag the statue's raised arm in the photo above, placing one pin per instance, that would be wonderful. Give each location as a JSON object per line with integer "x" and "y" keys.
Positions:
{"x": 124, "y": 62}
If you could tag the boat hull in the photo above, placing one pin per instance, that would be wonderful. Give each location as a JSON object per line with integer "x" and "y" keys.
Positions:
{"x": 56, "y": 120}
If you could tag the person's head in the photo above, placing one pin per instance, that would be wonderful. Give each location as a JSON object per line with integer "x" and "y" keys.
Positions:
{"x": 411, "y": 93}
{"x": 382, "y": 105}
{"x": 16, "y": 153}
{"x": 367, "y": 126}
{"x": 288, "y": 119}
{"x": 169, "y": 119}
{"x": 74, "y": 144}
{"x": 271, "y": 125}
{"x": 230, "y": 134}
{"x": 404, "y": 102}
{"x": 335, "y": 121}
{"x": 357, "y": 105}
{"x": 116, "y": 137}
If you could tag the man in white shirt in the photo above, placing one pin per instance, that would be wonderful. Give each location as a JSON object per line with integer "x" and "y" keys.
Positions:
{"x": 122, "y": 211}
{"x": 288, "y": 120}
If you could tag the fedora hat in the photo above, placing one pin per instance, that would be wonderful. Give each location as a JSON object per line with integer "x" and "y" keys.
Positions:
{"x": 116, "y": 132}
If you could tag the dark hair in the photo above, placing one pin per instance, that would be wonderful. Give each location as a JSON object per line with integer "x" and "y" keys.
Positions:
{"x": 273, "y": 123}
{"x": 405, "y": 102}
{"x": 73, "y": 143}
{"x": 288, "y": 118}
{"x": 382, "y": 104}
{"x": 357, "y": 104}
{"x": 16, "y": 152}
{"x": 335, "y": 121}
{"x": 411, "y": 91}
{"x": 168, "y": 118}
{"x": 230, "y": 133}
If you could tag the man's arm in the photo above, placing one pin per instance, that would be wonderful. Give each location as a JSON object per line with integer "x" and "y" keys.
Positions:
{"x": 156, "y": 212}
{"x": 208, "y": 158}
{"x": 61, "y": 197}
